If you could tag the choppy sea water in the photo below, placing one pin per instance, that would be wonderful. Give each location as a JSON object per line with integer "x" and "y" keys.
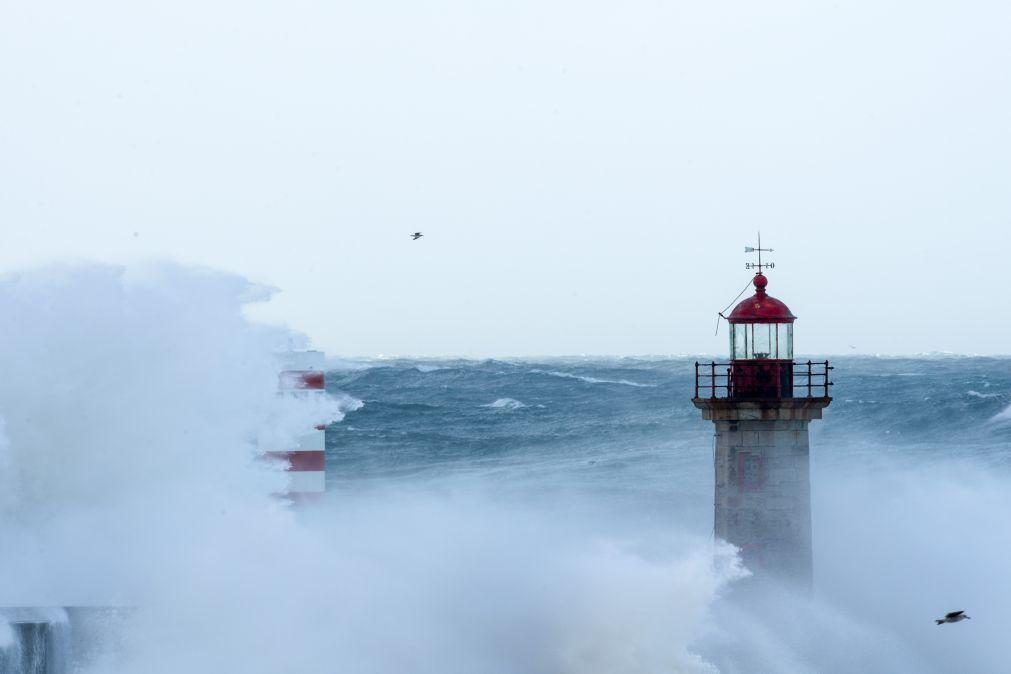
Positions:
{"x": 492, "y": 517}
{"x": 909, "y": 470}
{"x": 628, "y": 424}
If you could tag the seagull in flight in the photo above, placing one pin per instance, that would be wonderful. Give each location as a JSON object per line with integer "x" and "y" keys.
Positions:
{"x": 416, "y": 236}
{"x": 953, "y": 617}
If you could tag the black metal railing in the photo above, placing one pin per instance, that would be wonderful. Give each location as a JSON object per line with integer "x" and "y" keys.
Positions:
{"x": 760, "y": 379}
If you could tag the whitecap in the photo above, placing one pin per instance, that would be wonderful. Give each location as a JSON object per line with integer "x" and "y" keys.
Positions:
{"x": 506, "y": 404}
{"x": 592, "y": 380}
{"x": 1002, "y": 417}
{"x": 977, "y": 394}
{"x": 345, "y": 365}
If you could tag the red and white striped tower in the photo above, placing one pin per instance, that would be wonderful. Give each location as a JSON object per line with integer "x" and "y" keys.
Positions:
{"x": 306, "y": 461}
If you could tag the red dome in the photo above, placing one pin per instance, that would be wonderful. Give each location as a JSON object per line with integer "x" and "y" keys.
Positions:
{"x": 760, "y": 308}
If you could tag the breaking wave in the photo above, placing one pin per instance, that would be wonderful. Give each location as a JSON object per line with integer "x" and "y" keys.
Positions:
{"x": 130, "y": 479}
{"x": 575, "y": 540}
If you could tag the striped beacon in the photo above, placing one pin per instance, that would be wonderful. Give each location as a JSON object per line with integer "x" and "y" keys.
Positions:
{"x": 303, "y": 375}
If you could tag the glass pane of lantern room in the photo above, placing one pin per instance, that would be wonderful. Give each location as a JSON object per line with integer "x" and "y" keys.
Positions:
{"x": 765, "y": 340}
{"x": 739, "y": 341}
{"x": 786, "y": 341}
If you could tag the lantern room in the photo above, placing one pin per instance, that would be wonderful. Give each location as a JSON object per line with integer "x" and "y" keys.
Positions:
{"x": 761, "y": 346}
{"x": 761, "y": 327}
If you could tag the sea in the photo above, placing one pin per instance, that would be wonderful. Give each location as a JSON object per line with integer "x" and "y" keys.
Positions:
{"x": 498, "y": 516}
{"x": 910, "y": 467}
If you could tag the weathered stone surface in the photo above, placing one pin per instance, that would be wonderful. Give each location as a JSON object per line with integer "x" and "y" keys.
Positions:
{"x": 763, "y": 490}
{"x": 725, "y": 409}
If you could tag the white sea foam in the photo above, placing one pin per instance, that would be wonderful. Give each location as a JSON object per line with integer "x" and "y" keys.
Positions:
{"x": 592, "y": 380}
{"x": 977, "y": 394}
{"x": 506, "y": 403}
{"x": 1004, "y": 416}
{"x": 127, "y": 477}
{"x": 132, "y": 398}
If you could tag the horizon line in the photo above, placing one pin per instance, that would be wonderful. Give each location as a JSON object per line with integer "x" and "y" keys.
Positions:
{"x": 657, "y": 356}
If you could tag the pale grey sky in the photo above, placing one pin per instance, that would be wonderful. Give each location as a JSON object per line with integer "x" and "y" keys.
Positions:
{"x": 586, "y": 174}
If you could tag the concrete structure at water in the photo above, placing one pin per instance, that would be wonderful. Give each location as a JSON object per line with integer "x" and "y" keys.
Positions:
{"x": 761, "y": 403}
{"x": 54, "y": 640}
{"x": 34, "y": 641}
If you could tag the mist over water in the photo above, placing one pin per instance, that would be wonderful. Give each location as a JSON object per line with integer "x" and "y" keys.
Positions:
{"x": 483, "y": 516}
{"x": 910, "y": 477}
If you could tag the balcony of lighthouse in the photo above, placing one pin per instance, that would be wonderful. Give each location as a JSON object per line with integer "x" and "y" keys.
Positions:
{"x": 762, "y": 389}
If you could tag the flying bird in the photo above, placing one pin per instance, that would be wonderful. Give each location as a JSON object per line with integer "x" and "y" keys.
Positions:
{"x": 953, "y": 617}
{"x": 416, "y": 236}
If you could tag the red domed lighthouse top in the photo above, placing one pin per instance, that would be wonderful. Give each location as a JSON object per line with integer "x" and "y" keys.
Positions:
{"x": 760, "y": 307}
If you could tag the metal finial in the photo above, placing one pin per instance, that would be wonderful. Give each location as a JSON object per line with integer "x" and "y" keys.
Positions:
{"x": 759, "y": 265}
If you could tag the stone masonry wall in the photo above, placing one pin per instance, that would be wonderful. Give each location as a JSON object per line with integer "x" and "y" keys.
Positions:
{"x": 763, "y": 494}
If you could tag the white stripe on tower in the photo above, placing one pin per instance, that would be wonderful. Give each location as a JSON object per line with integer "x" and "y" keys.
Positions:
{"x": 307, "y": 459}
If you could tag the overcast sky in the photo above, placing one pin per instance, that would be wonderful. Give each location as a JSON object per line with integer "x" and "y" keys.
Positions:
{"x": 586, "y": 174}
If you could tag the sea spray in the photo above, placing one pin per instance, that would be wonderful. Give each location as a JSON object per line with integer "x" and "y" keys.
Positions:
{"x": 132, "y": 400}
{"x": 910, "y": 494}
{"x": 566, "y": 538}
{"x": 136, "y": 401}
{"x": 9, "y": 482}
{"x": 34, "y": 641}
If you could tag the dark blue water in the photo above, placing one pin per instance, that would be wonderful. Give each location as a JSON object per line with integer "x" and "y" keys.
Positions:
{"x": 910, "y": 468}
{"x": 628, "y": 424}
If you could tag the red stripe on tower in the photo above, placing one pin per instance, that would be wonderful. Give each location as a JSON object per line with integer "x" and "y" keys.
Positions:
{"x": 302, "y": 380}
{"x": 304, "y": 375}
{"x": 302, "y": 461}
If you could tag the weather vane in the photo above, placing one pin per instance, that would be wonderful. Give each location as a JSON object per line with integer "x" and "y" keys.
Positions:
{"x": 758, "y": 265}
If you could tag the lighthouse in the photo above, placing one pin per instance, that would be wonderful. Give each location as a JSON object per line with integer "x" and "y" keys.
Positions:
{"x": 305, "y": 462}
{"x": 761, "y": 403}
